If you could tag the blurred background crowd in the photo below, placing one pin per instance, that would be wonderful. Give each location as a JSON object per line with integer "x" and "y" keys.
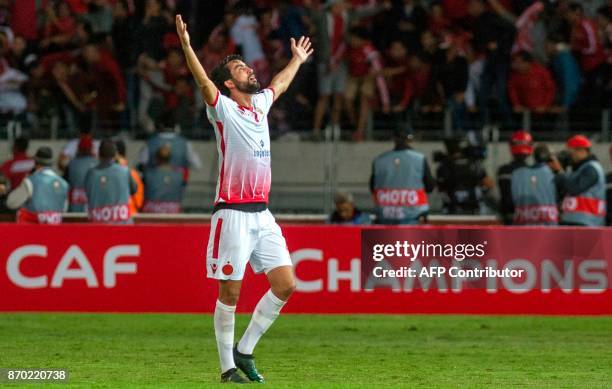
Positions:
{"x": 116, "y": 66}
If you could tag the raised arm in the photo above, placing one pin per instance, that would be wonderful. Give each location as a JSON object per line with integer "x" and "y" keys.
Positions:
{"x": 208, "y": 88}
{"x": 301, "y": 51}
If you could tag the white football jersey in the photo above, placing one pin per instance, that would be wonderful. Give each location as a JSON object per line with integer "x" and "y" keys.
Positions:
{"x": 243, "y": 143}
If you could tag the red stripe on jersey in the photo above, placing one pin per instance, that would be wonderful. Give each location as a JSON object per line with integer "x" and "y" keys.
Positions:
{"x": 215, "y": 253}
{"x": 273, "y": 93}
{"x": 222, "y": 169}
{"x": 214, "y": 104}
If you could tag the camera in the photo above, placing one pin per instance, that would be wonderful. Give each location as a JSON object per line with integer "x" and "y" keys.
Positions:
{"x": 459, "y": 147}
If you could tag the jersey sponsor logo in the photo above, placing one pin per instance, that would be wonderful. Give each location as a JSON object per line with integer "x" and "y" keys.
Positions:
{"x": 110, "y": 213}
{"x": 261, "y": 153}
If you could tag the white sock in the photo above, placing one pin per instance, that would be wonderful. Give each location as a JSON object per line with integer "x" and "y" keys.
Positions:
{"x": 224, "y": 333}
{"x": 266, "y": 312}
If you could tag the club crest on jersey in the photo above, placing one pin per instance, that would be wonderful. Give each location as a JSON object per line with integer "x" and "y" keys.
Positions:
{"x": 227, "y": 269}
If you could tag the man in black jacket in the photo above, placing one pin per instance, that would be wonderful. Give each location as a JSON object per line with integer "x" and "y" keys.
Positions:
{"x": 494, "y": 37}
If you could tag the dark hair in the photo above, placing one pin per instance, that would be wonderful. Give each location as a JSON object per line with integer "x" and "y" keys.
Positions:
{"x": 557, "y": 38}
{"x": 541, "y": 153}
{"x": 525, "y": 56}
{"x": 575, "y": 7}
{"x": 604, "y": 11}
{"x": 359, "y": 32}
{"x": 120, "y": 143}
{"x": 108, "y": 149}
{"x": 21, "y": 144}
{"x": 221, "y": 73}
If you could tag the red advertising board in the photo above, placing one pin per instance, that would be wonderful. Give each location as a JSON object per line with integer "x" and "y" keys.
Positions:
{"x": 161, "y": 268}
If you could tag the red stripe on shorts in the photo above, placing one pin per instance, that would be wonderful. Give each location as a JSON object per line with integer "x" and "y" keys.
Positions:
{"x": 217, "y": 238}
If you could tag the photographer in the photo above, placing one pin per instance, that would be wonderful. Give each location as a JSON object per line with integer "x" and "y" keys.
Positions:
{"x": 521, "y": 147}
{"x": 534, "y": 194}
{"x": 462, "y": 180}
{"x": 400, "y": 182}
{"x": 584, "y": 188}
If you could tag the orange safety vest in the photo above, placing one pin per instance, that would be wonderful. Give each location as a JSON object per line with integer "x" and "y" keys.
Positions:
{"x": 137, "y": 199}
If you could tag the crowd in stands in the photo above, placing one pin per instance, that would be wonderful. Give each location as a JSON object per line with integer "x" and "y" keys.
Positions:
{"x": 116, "y": 64}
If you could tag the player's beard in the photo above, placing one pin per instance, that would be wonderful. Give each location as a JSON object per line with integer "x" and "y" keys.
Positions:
{"x": 249, "y": 87}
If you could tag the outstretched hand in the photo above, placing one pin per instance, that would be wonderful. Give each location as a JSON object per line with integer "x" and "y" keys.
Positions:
{"x": 301, "y": 50}
{"x": 181, "y": 30}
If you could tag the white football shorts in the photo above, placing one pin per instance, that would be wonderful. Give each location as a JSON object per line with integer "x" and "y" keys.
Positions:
{"x": 238, "y": 237}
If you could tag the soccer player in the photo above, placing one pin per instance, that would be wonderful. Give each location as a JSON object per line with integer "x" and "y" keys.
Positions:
{"x": 242, "y": 228}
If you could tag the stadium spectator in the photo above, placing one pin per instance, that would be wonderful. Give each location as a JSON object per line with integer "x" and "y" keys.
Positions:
{"x": 451, "y": 76}
{"x": 71, "y": 98}
{"x": 136, "y": 199}
{"x": 12, "y": 99}
{"x": 60, "y": 26}
{"x": 43, "y": 196}
{"x": 218, "y": 46}
{"x": 566, "y": 71}
{"x": 534, "y": 193}
{"x": 410, "y": 21}
{"x": 521, "y": 148}
{"x": 18, "y": 167}
{"x": 151, "y": 92}
{"x": 583, "y": 188}
{"x": 182, "y": 154}
{"x": 108, "y": 187}
{"x": 364, "y": 69}
{"x": 609, "y": 193}
{"x": 588, "y": 45}
{"x": 528, "y": 37}
{"x": 76, "y": 171}
{"x": 103, "y": 72}
{"x": 69, "y": 151}
{"x": 164, "y": 184}
{"x": 400, "y": 182}
{"x": 26, "y": 18}
{"x": 149, "y": 33}
{"x": 331, "y": 24}
{"x": 416, "y": 88}
{"x": 346, "y": 212}
{"x": 100, "y": 16}
{"x": 398, "y": 79}
{"x": 121, "y": 35}
{"x": 531, "y": 86}
{"x": 244, "y": 33}
{"x": 51, "y": 43}
{"x": 493, "y": 36}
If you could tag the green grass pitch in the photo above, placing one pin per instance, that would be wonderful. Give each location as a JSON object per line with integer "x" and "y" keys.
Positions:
{"x": 163, "y": 350}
